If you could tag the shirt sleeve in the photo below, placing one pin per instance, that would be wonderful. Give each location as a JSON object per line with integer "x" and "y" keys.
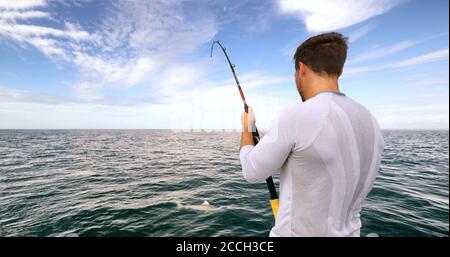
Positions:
{"x": 268, "y": 156}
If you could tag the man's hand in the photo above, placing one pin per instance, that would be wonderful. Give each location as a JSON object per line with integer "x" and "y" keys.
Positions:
{"x": 248, "y": 124}
{"x": 248, "y": 120}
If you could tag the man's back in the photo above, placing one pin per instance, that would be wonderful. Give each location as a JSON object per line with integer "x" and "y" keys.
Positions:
{"x": 329, "y": 150}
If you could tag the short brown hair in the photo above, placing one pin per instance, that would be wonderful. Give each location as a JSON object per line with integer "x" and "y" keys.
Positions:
{"x": 325, "y": 53}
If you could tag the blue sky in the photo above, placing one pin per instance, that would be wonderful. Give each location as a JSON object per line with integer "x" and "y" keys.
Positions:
{"x": 145, "y": 64}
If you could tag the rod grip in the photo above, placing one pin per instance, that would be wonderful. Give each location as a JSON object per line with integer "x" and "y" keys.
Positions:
{"x": 274, "y": 203}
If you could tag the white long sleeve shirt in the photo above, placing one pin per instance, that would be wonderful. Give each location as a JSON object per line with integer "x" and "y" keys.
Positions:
{"x": 328, "y": 149}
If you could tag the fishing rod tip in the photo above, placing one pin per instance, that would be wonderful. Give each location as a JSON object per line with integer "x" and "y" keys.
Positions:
{"x": 212, "y": 47}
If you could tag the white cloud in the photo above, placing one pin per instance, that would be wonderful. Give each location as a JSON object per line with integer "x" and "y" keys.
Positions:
{"x": 115, "y": 71}
{"x": 26, "y": 32}
{"x": 382, "y": 52}
{"x": 48, "y": 46}
{"x": 133, "y": 44}
{"x": 327, "y": 15}
{"x": 441, "y": 54}
{"x": 21, "y": 4}
{"x": 180, "y": 77}
{"x": 142, "y": 38}
{"x": 157, "y": 25}
{"x": 24, "y": 15}
{"x": 53, "y": 42}
{"x": 425, "y": 58}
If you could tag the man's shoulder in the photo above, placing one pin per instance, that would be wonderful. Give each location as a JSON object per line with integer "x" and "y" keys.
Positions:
{"x": 302, "y": 121}
{"x": 301, "y": 110}
{"x": 303, "y": 116}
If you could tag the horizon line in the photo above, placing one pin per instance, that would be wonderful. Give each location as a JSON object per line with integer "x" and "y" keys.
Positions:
{"x": 203, "y": 129}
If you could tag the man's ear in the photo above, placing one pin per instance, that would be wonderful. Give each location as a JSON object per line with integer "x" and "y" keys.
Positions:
{"x": 302, "y": 68}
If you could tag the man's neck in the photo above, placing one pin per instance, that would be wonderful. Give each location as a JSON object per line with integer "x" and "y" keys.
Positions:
{"x": 320, "y": 85}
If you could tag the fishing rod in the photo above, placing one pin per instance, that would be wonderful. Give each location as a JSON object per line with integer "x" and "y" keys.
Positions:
{"x": 274, "y": 202}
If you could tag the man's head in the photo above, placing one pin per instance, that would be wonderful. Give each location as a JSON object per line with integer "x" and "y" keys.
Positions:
{"x": 320, "y": 57}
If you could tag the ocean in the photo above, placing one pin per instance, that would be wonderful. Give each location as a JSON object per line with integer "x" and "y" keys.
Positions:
{"x": 154, "y": 182}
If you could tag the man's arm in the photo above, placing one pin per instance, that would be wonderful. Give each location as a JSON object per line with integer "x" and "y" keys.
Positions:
{"x": 263, "y": 160}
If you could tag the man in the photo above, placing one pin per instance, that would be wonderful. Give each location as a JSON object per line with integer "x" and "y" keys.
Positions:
{"x": 328, "y": 148}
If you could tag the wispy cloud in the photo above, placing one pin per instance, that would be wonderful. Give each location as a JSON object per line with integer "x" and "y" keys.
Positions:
{"x": 326, "y": 15}
{"x": 131, "y": 45}
{"x": 15, "y": 15}
{"x": 26, "y": 32}
{"x": 54, "y": 42}
{"x": 425, "y": 58}
{"x": 437, "y": 55}
{"x": 21, "y": 4}
{"x": 360, "y": 32}
{"x": 380, "y": 52}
